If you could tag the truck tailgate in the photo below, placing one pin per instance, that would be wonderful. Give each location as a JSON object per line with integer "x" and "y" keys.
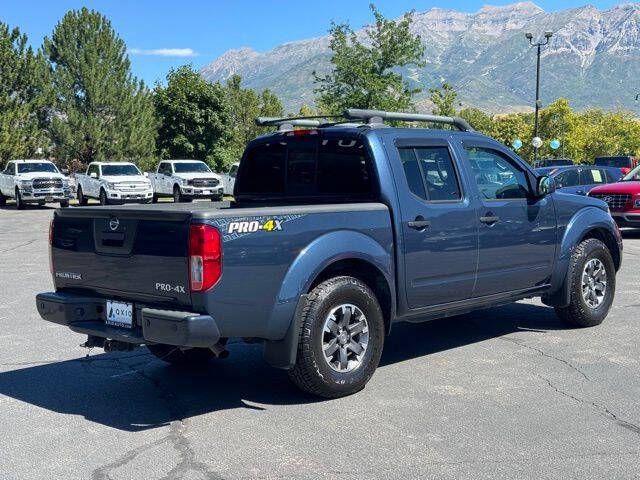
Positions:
{"x": 123, "y": 253}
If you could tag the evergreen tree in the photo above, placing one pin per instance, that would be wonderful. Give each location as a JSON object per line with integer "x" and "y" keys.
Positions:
{"x": 365, "y": 71}
{"x": 101, "y": 112}
{"x": 24, "y": 97}
{"x": 195, "y": 119}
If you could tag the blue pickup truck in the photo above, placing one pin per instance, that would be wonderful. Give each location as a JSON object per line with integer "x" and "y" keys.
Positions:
{"x": 337, "y": 231}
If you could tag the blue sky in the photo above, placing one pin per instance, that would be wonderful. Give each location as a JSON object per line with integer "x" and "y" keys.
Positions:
{"x": 162, "y": 34}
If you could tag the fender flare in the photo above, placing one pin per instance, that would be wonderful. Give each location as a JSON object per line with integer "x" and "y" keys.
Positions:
{"x": 311, "y": 261}
{"x": 581, "y": 224}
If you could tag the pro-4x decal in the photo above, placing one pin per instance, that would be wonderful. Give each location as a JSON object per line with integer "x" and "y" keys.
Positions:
{"x": 232, "y": 228}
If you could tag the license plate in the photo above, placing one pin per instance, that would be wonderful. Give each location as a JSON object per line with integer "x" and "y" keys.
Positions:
{"x": 207, "y": 192}
{"x": 48, "y": 199}
{"x": 119, "y": 314}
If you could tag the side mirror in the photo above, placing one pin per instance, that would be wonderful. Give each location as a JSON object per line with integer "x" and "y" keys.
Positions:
{"x": 93, "y": 175}
{"x": 65, "y": 171}
{"x": 546, "y": 185}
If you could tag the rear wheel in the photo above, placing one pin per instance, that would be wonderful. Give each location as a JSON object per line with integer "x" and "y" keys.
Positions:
{"x": 20, "y": 205}
{"x": 592, "y": 275}
{"x": 82, "y": 200}
{"x": 341, "y": 339}
{"x": 103, "y": 197}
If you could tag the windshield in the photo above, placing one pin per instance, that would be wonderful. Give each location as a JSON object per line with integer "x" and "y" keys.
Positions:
{"x": 120, "y": 170}
{"x": 633, "y": 175}
{"x": 191, "y": 167}
{"x": 37, "y": 167}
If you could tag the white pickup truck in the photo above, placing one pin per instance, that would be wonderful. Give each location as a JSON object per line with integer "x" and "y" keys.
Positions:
{"x": 113, "y": 182}
{"x": 229, "y": 178}
{"x": 34, "y": 181}
{"x": 185, "y": 180}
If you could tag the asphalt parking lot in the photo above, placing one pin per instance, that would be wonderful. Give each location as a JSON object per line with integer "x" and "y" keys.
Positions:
{"x": 505, "y": 393}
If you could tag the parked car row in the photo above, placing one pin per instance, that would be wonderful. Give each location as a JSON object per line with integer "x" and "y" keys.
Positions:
{"x": 40, "y": 182}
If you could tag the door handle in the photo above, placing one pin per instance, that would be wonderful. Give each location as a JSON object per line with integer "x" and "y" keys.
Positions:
{"x": 580, "y": 192}
{"x": 419, "y": 223}
{"x": 489, "y": 219}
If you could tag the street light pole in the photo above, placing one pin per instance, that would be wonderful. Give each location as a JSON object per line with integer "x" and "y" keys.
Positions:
{"x": 538, "y": 45}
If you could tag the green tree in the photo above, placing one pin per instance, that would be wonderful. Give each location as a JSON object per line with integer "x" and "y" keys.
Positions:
{"x": 479, "y": 120}
{"x": 195, "y": 118}
{"x": 245, "y": 106}
{"x": 24, "y": 96}
{"x": 101, "y": 111}
{"x": 364, "y": 71}
{"x": 444, "y": 99}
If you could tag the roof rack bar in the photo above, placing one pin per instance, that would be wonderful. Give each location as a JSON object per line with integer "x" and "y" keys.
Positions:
{"x": 378, "y": 116}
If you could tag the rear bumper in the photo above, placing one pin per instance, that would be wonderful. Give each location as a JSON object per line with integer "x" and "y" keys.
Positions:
{"x": 86, "y": 315}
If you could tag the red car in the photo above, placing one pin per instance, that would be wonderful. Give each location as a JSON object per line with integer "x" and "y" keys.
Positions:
{"x": 623, "y": 199}
{"x": 625, "y": 163}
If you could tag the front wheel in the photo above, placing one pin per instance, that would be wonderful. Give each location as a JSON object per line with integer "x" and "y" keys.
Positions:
{"x": 103, "y": 197}
{"x": 592, "y": 277}
{"x": 177, "y": 195}
{"x": 20, "y": 205}
{"x": 64, "y": 203}
{"x": 341, "y": 339}
{"x": 3, "y": 199}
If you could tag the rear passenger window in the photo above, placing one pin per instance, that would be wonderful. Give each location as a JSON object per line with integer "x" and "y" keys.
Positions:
{"x": 594, "y": 176}
{"x": 439, "y": 173}
{"x": 430, "y": 173}
{"x": 412, "y": 172}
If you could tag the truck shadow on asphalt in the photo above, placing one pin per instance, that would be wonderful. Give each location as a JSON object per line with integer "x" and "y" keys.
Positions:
{"x": 133, "y": 391}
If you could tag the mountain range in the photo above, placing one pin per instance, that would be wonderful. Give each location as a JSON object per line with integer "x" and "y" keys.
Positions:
{"x": 593, "y": 58}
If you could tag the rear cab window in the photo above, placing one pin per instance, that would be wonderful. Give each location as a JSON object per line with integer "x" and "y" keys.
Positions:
{"x": 319, "y": 166}
{"x": 430, "y": 173}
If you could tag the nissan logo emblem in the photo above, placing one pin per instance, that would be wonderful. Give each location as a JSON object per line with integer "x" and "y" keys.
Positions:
{"x": 114, "y": 223}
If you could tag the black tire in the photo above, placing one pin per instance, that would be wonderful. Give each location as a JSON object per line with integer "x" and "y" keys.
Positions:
{"x": 579, "y": 313}
{"x": 103, "y": 197}
{"x": 3, "y": 199}
{"x": 177, "y": 194}
{"x": 64, "y": 203}
{"x": 173, "y": 355}
{"x": 20, "y": 205}
{"x": 312, "y": 372}
{"x": 216, "y": 199}
{"x": 155, "y": 198}
{"x": 82, "y": 200}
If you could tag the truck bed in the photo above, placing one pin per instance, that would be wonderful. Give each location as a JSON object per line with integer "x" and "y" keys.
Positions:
{"x": 269, "y": 254}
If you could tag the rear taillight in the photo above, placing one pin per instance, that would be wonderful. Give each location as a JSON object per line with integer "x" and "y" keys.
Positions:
{"x": 51, "y": 250}
{"x": 205, "y": 257}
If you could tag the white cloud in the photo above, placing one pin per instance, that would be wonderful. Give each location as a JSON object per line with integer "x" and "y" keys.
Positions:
{"x": 165, "y": 52}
